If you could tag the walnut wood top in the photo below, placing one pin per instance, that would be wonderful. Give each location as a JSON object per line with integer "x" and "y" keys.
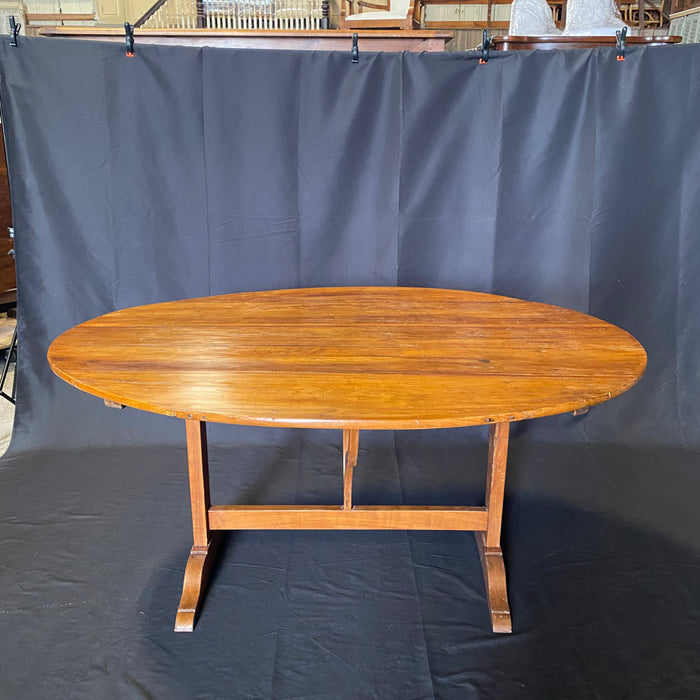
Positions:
{"x": 363, "y": 357}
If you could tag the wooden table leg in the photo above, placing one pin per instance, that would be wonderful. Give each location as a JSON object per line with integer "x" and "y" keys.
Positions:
{"x": 489, "y": 541}
{"x": 205, "y": 540}
{"x": 350, "y": 445}
{"x": 202, "y": 553}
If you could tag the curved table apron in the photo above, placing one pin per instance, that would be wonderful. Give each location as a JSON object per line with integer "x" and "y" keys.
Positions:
{"x": 354, "y": 358}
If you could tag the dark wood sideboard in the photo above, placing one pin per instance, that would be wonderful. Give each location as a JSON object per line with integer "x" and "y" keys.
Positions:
{"x": 523, "y": 43}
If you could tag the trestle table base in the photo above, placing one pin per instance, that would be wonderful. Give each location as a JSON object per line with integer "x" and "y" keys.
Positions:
{"x": 208, "y": 521}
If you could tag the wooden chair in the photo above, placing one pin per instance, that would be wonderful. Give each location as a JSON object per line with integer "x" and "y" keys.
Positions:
{"x": 395, "y": 14}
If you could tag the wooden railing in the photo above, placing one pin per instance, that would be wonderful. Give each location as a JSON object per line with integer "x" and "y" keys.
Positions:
{"x": 235, "y": 14}
{"x": 61, "y": 17}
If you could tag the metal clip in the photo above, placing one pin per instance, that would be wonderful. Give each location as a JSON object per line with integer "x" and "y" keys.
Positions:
{"x": 355, "y": 50}
{"x": 485, "y": 46}
{"x": 14, "y": 30}
{"x": 129, "y": 31}
{"x": 621, "y": 43}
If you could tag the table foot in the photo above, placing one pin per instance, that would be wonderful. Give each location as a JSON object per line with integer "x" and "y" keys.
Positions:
{"x": 495, "y": 582}
{"x": 196, "y": 573}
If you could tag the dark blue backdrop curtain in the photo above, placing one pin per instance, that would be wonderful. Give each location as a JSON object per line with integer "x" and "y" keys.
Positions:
{"x": 562, "y": 176}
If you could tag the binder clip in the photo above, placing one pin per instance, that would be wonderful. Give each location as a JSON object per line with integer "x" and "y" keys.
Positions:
{"x": 621, "y": 43}
{"x": 14, "y": 30}
{"x": 485, "y": 46}
{"x": 355, "y": 50}
{"x": 129, "y": 31}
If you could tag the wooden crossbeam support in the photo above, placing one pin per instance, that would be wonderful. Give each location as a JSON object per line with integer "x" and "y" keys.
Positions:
{"x": 338, "y": 518}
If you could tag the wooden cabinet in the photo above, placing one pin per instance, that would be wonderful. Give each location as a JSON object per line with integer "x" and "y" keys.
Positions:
{"x": 686, "y": 23}
{"x": 7, "y": 262}
{"x": 120, "y": 11}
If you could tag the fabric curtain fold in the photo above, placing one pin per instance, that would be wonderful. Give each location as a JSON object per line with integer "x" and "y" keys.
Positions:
{"x": 561, "y": 176}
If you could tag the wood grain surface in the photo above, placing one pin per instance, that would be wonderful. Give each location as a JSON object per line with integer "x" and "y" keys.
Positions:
{"x": 314, "y": 517}
{"x": 528, "y": 43}
{"x": 351, "y": 358}
{"x": 294, "y": 39}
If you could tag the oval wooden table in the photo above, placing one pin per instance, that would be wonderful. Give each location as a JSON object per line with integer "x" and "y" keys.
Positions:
{"x": 349, "y": 358}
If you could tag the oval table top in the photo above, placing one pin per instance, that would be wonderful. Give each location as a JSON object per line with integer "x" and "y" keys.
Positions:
{"x": 356, "y": 357}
